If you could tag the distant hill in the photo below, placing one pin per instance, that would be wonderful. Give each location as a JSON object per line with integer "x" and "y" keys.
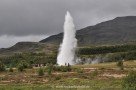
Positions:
{"x": 23, "y": 47}
{"x": 120, "y": 30}
{"x": 117, "y": 31}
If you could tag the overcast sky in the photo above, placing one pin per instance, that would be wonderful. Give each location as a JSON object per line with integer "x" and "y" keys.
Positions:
{"x": 33, "y": 20}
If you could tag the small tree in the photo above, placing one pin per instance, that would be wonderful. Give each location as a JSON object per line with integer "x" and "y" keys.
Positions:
{"x": 11, "y": 69}
{"x": 49, "y": 69}
{"x": 40, "y": 71}
{"x": 20, "y": 67}
{"x": 25, "y": 64}
{"x": 120, "y": 64}
{"x": 2, "y": 66}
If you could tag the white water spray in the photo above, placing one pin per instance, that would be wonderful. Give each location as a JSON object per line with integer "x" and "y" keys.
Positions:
{"x": 67, "y": 48}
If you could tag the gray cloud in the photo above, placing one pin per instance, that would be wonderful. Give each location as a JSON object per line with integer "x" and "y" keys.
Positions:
{"x": 7, "y": 41}
{"x": 36, "y": 17}
{"x": 24, "y": 18}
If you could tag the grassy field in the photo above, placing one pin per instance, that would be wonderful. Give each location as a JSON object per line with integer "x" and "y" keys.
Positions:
{"x": 127, "y": 64}
{"x": 104, "y": 76}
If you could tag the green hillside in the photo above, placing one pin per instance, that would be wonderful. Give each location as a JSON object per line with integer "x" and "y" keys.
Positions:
{"x": 117, "y": 31}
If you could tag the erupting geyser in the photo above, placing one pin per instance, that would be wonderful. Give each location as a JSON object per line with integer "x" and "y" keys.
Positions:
{"x": 67, "y": 48}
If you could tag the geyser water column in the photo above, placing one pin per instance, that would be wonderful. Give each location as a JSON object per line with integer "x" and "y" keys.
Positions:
{"x": 67, "y": 48}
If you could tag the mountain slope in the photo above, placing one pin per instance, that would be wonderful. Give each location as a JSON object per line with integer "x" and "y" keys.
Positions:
{"x": 22, "y": 47}
{"x": 117, "y": 31}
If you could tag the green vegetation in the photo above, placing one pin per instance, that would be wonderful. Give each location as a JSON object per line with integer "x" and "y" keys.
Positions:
{"x": 22, "y": 65}
{"x": 62, "y": 68}
{"x": 94, "y": 73}
{"x": 20, "y": 68}
{"x": 79, "y": 70}
{"x": 105, "y": 53}
{"x": 2, "y": 67}
{"x": 49, "y": 69}
{"x": 109, "y": 53}
{"x": 39, "y": 68}
{"x": 93, "y": 77}
{"x": 107, "y": 49}
{"x": 129, "y": 82}
{"x": 120, "y": 64}
{"x": 40, "y": 71}
{"x": 11, "y": 69}
{"x": 29, "y": 58}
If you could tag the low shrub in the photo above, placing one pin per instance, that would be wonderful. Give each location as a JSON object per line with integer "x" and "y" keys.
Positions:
{"x": 65, "y": 68}
{"x": 20, "y": 68}
{"x": 120, "y": 64}
{"x": 22, "y": 65}
{"x": 57, "y": 77}
{"x": 94, "y": 73}
{"x": 2, "y": 67}
{"x": 40, "y": 71}
{"x": 79, "y": 70}
{"x": 62, "y": 68}
{"x": 11, "y": 69}
{"x": 49, "y": 69}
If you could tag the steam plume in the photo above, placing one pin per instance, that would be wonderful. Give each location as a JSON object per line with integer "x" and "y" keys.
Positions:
{"x": 67, "y": 48}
